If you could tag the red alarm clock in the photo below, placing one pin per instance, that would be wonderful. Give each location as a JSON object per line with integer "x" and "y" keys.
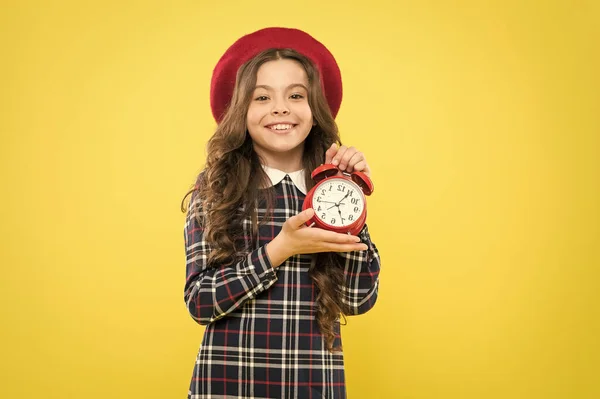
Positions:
{"x": 338, "y": 201}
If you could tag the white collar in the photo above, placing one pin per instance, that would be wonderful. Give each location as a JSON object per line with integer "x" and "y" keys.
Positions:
{"x": 277, "y": 176}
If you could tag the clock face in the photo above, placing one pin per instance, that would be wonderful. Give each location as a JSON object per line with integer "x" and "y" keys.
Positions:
{"x": 338, "y": 202}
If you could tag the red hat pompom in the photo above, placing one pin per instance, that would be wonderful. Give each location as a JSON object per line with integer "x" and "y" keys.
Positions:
{"x": 248, "y": 46}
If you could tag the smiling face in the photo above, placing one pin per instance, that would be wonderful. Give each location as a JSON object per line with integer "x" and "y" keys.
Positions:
{"x": 279, "y": 117}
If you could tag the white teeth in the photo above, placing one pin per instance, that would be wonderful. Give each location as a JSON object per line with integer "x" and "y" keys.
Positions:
{"x": 280, "y": 127}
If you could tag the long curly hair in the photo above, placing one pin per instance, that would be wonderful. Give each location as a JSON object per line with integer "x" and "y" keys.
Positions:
{"x": 233, "y": 180}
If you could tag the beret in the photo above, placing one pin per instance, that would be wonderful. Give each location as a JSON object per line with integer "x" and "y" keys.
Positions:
{"x": 250, "y": 45}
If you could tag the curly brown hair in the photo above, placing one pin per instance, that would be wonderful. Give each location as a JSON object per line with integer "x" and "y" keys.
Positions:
{"x": 233, "y": 177}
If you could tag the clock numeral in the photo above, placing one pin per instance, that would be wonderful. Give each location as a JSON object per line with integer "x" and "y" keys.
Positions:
{"x": 354, "y": 201}
{"x": 318, "y": 199}
{"x": 322, "y": 192}
{"x": 332, "y": 221}
{"x": 351, "y": 192}
{"x": 341, "y": 188}
{"x": 351, "y": 217}
{"x": 319, "y": 208}
{"x": 323, "y": 216}
{"x": 330, "y": 187}
{"x": 355, "y": 209}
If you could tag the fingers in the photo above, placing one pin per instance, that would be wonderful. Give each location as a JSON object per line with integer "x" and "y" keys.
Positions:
{"x": 338, "y": 156}
{"x": 362, "y": 166}
{"x": 330, "y": 237}
{"x": 300, "y": 219}
{"x": 330, "y": 153}
{"x": 344, "y": 246}
{"x": 329, "y": 241}
{"x": 357, "y": 162}
{"x": 349, "y": 248}
{"x": 346, "y": 157}
{"x": 314, "y": 240}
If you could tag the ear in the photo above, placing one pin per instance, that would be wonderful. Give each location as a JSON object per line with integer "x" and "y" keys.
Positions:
{"x": 314, "y": 122}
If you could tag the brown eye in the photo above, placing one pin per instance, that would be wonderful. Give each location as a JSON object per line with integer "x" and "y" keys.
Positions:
{"x": 297, "y": 96}
{"x": 261, "y": 98}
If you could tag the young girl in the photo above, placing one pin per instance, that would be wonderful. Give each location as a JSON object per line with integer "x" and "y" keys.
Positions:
{"x": 269, "y": 289}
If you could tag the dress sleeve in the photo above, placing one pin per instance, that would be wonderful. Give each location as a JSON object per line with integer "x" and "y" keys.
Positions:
{"x": 211, "y": 293}
{"x": 361, "y": 276}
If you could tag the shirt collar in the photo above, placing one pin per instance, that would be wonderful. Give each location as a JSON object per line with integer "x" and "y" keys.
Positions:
{"x": 277, "y": 176}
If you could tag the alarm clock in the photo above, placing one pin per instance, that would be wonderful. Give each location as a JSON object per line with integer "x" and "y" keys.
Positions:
{"x": 338, "y": 201}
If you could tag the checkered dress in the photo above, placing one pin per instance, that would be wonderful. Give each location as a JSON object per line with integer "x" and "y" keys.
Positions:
{"x": 261, "y": 338}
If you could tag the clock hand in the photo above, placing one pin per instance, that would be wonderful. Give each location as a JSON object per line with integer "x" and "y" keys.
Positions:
{"x": 341, "y": 203}
{"x": 340, "y": 212}
{"x": 347, "y": 194}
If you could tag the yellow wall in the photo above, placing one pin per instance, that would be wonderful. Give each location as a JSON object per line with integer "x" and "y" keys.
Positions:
{"x": 480, "y": 121}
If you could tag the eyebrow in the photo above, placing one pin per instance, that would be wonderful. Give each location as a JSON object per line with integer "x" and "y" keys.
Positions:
{"x": 267, "y": 87}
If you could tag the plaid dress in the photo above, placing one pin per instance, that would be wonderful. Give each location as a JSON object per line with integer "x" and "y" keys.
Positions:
{"x": 261, "y": 338}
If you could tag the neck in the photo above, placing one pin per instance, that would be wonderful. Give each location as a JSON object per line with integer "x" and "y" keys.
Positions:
{"x": 287, "y": 162}
{"x": 284, "y": 167}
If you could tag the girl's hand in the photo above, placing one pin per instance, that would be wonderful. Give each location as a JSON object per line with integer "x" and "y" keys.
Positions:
{"x": 347, "y": 159}
{"x": 297, "y": 238}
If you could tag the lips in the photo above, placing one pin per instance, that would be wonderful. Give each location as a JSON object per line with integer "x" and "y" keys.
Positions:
{"x": 281, "y": 127}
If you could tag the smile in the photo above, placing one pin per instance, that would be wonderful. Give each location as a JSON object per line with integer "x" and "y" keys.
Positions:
{"x": 281, "y": 127}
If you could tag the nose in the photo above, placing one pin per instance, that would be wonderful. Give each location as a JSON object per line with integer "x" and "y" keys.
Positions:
{"x": 280, "y": 108}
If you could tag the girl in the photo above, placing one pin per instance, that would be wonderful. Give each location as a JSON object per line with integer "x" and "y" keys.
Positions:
{"x": 269, "y": 289}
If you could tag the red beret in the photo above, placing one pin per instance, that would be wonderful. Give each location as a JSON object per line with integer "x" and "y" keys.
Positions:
{"x": 248, "y": 46}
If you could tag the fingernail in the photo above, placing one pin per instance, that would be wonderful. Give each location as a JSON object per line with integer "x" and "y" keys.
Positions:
{"x": 364, "y": 247}
{"x": 335, "y": 161}
{"x": 342, "y": 166}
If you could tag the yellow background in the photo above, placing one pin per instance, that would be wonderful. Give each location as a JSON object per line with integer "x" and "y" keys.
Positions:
{"x": 480, "y": 122}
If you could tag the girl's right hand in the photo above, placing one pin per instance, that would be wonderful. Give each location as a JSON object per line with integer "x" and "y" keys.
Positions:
{"x": 297, "y": 238}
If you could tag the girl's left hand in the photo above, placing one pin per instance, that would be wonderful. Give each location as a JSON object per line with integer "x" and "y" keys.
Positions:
{"x": 347, "y": 159}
